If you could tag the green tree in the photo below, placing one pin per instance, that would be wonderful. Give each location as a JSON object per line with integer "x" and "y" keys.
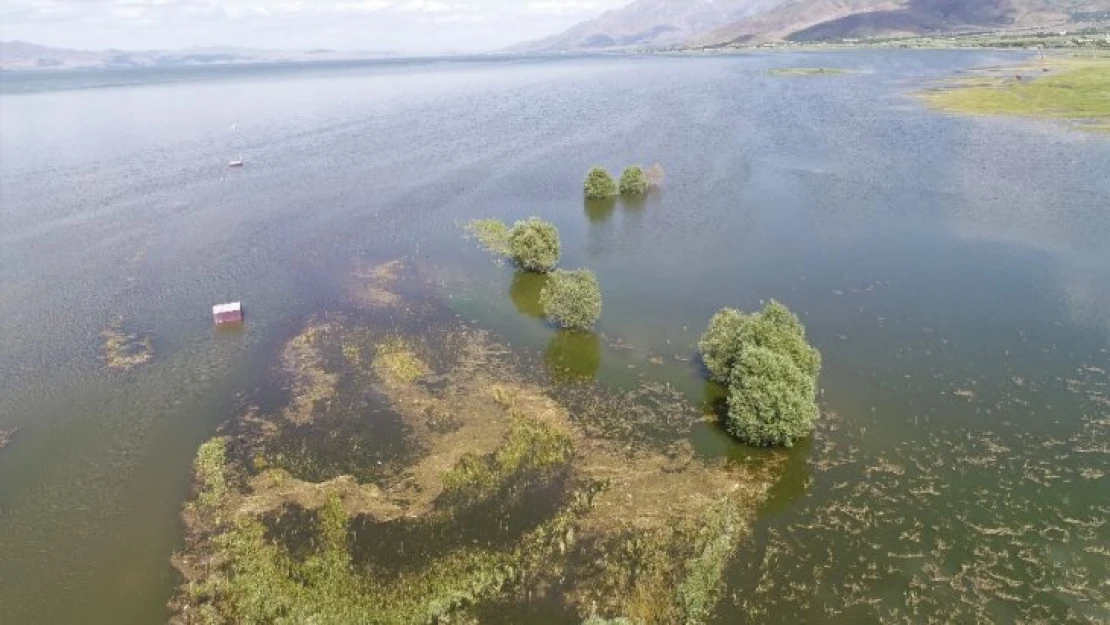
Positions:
{"x": 534, "y": 245}
{"x": 770, "y": 369}
{"x": 771, "y": 401}
{"x": 633, "y": 181}
{"x": 599, "y": 184}
{"x": 572, "y": 299}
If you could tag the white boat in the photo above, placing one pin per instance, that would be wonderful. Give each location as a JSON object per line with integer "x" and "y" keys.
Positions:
{"x": 237, "y": 163}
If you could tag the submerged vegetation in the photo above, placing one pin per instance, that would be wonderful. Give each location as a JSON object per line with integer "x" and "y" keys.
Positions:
{"x": 504, "y": 496}
{"x": 492, "y": 235}
{"x": 770, "y": 370}
{"x": 599, "y": 184}
{"x": 124, "y": 351}
{"x": 1073, "y": 89}
{"x": 6, "y": 437}
{"x": 572, "y": 299}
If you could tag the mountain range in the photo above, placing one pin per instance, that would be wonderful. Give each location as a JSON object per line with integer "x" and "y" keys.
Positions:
{"x": 710, "y": 23}
{"x": 20, "y": 55}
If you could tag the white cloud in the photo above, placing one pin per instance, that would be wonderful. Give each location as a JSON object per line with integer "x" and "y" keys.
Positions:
{"x": 405, "y": 25}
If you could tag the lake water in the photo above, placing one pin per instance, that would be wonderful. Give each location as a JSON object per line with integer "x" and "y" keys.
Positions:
{"x": 954, "y": 272}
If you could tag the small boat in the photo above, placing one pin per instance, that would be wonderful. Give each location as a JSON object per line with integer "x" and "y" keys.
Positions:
{"x": 236, "y": 163}
{"x": 227, "y": 313}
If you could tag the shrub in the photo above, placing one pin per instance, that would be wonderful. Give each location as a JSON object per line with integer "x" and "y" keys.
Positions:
{"x": 770, "y": 369}
{"x": 534, "y": 245}
{"x": 599, "y": 184}
{"x": 771, "y": 401}
{"x": 572, "y": 299}
{"x": 633, "y": 181}
{"x": 654, "y": 176}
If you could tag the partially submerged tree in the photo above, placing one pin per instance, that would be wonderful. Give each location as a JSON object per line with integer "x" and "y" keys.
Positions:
{"x": 770, "y": 369}
{"x": 599, "y": 184}
{"x": 633, "y": 181}
{"x": 534, "y": 245}
{"x": 771, "y": 402}
{"x": 572, "y": 299}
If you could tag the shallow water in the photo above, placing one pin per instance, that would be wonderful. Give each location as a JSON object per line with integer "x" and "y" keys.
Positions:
{"x": 953, "y": 271}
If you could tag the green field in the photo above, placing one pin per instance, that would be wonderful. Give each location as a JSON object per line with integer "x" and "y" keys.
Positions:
{"x": 1076, "y": 90}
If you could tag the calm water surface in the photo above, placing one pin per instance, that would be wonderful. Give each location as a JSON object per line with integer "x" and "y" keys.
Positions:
{"x": 954, "y": 271}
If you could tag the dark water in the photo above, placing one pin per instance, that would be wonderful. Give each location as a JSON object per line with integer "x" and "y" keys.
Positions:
{"x": 954, "y": 271}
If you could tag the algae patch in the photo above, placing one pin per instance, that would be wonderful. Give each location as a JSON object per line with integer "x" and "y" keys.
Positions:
{"x": 374, "y": 286}
{"x": 6, "y": 437}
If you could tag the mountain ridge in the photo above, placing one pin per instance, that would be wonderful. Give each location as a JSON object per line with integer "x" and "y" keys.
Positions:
{"x": 713, "y": 23}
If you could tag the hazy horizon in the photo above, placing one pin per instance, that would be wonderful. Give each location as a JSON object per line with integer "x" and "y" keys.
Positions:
{"x": 406, "y": 26}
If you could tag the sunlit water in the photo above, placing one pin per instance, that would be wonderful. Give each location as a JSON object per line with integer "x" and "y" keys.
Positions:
{"x": 954, "y": 272}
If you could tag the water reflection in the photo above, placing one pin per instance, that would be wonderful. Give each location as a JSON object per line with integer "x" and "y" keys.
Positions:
{"x": 573, "y": 356}
{"x": 525, "y": 292}
{"x": 600, "y": 211}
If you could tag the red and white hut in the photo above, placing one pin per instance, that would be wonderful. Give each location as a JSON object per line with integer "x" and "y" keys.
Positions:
{"x": 227, "y": 313}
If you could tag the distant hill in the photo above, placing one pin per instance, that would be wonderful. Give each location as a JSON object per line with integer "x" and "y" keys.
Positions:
{"x": 20, "y": 55}
{"x": 666, "y": 23}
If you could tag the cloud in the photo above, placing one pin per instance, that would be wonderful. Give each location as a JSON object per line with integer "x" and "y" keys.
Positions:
{"x": 404, "y": 25}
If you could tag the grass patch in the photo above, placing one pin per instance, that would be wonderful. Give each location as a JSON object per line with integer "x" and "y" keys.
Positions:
{"x": 1079, "y": 90}
{"x": 123, "y": 351}
{"x": 211, "y": 472}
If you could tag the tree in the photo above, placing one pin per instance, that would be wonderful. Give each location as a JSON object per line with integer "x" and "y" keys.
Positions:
{"x": 599, "y": 184}
{"x": 770, "y": 369}
{"x": 572, "y": 299}
{"x": 633, "y": 181}
{"x": 771, "y": 401}
{"x": 534, "y": 245}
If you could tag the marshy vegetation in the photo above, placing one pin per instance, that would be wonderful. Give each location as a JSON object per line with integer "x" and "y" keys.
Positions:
{"x": 1072, "y": 89}
{"x": 532, "y": 244}
{"x": 503, "y": 496}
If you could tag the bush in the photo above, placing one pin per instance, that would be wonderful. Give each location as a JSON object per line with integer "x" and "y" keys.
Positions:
{"x": 599, "y": 184}
{"x": 534, "y": 245}
{"x": 572, "y": 299}
{"x": 633, "y": 181}
{"x": 654, "y": 176}
{"x": 771, "y": 401}
{"x": 770, "y": 369}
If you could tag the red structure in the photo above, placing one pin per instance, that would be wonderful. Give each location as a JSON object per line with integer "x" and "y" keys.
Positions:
{"x": 227, "y": 313}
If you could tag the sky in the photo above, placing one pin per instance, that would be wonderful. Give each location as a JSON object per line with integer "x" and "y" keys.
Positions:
{"x": 427, "y": 26}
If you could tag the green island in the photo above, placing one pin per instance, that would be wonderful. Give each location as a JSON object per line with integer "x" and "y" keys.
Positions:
{"x": 1074, "y": 89}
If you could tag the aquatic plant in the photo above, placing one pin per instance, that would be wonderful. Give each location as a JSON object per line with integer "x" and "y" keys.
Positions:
{"x": 396, "y": 358}
{"x": 572, "y": 299}
{"x": 534, "y": 245}
{"x": 770, "y": 369}
{"x": 211, "y": 467}
{"x": 633, "y": 181}
{"x": 599, "y": 184}
{"x": 492, "y": 235}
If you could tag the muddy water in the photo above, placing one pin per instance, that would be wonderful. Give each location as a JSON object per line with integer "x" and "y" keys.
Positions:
{"x": 953, "y": 271}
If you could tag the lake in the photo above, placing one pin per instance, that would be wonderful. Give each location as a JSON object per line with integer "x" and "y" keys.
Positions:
{"x": 954, "y": 272}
